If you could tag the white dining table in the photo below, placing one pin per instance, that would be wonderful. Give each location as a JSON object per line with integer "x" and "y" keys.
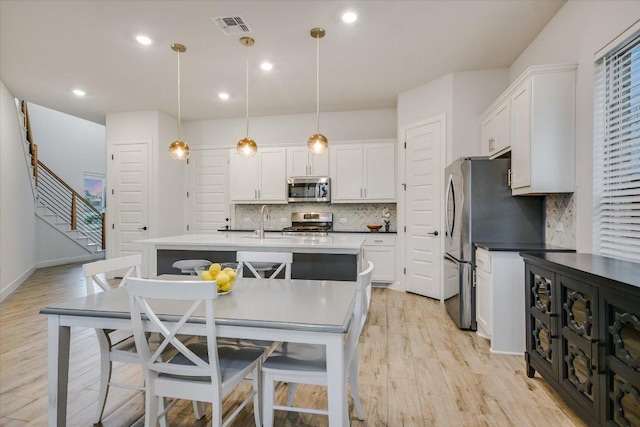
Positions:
{"x": 305, "y": 311}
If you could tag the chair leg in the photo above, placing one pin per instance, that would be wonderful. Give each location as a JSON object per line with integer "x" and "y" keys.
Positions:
{"x": 152, "y": 406}
{"x": 267, "y": 399}
{"x": 257, "y": 397}
{"x": 162, "y": 404}
{"x": 291, "y": 393}
{"x": 355, "y": 393}
{"x": 198, "y": 409}
{"x": 105, "y": 378}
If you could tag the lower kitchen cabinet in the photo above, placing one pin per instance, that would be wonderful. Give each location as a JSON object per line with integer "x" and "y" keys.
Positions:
{"x": 500, "y": 300}
{"x": 583, "y": 333}
{"x": 379, "y": 248}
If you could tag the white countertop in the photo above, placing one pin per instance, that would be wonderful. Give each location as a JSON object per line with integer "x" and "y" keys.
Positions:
{"x": 234, "y": 241}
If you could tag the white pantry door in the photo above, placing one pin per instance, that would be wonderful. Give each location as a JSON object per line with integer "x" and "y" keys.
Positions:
{"x": 130, "y": 198}
{"x": 423, "y": 204}
{"x": 207, "y": 194}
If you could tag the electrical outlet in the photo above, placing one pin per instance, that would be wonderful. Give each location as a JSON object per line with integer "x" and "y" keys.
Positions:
{"x": 343, "y": 219}
{"x": 559, "y": 227}
{"x": 283, "y": 219}
{"x": 247, "y": 219}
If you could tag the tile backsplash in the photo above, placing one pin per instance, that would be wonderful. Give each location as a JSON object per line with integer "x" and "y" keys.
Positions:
{"x": 560, "y": 224}
{"x": 346, "y": 217}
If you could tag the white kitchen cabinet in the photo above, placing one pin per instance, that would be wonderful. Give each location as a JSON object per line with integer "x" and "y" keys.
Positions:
{"x": 495, "y": 129}
{"x": 302, "y": 162}
{"x": 500, "y": 310}
{"x": 381, "y": 250}
{"x": 363, "y": 172}
{"x": 258, "y": 179}
{"x": 543, "y": 130}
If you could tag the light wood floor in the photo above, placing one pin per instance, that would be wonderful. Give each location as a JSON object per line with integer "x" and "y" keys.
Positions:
{"x": 416, "y": 369}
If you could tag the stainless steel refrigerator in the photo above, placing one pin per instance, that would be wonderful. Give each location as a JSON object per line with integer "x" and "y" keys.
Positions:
{"x": 479, "y": 207}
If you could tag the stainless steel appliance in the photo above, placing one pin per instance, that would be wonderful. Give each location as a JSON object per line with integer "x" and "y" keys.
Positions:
{"x": 309, "y": 189}
{"x": 479, "y": 207}
{"x": 309, "y": 224}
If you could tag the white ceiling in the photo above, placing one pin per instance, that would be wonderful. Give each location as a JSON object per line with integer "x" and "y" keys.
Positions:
{"x": 48, "y": 48}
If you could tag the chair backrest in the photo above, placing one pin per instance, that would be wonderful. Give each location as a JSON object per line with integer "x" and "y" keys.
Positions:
{"x": 282, "y": 260}
{"x": 363, "y": 298}
{"x": 147, "y": 300}
{"x": 96, "y": 272}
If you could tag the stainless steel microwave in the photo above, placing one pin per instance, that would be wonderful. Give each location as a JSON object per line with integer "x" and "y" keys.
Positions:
{"x": 309, "y": 189}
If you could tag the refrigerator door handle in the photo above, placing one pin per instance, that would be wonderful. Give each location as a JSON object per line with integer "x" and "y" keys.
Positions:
{"x": 449, "y": 230}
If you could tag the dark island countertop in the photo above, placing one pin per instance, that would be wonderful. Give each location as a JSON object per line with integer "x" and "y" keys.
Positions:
{"x": 521, "y": 247}
{"x": 611, "y": 269}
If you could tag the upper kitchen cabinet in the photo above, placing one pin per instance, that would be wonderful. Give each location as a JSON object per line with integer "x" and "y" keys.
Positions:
{"x": 496, "y": 133}
{"x": 258, "y": 179}
{"x": 543, "y": 130}
{"x": 363, "y": 172}
{"x": 302, "y": 162}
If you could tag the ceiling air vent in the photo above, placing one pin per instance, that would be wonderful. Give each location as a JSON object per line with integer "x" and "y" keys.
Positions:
{"x": 231, "y": 25}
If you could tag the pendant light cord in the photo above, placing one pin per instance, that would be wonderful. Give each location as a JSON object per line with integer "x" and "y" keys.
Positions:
{"x": 247, "y": 90}
{"x": 318, "y": 83}
{"x": 179, "y": 124}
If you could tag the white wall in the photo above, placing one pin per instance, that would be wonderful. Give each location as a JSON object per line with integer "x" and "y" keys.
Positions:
{"x": 574, "y": 35}
{"x": 473, "y": 93}
{"x": 462, "y": 97}
{"x": 292, "y": 129}
{"x": 17, "y": 209}
{"x": 68, "y": 145}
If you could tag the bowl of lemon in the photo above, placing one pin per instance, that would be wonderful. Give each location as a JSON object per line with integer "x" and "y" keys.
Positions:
{"x": 224, "y": 274}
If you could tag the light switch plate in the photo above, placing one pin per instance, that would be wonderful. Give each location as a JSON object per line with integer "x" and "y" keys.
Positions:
{"x": 559, "y": 227}
{"x": 343, "y": 219}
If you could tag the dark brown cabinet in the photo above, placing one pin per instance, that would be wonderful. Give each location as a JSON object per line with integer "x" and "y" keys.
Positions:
{"x": 583, "y": 333}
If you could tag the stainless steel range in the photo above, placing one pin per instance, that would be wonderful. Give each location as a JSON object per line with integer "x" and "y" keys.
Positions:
{"x": 309, "y": 224}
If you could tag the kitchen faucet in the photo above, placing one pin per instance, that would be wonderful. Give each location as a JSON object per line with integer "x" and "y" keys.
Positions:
{"x": 264, "y": 209}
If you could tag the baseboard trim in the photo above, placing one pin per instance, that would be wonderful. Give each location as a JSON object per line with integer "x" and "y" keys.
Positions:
{"x": 8, "y": 290}
{"x": 70, "y": 260}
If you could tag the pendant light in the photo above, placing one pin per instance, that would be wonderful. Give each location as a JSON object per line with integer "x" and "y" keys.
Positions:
{"x": 247, "y": 147}
{"x": 318, "y": 143}
{"x": 178, "y": 149}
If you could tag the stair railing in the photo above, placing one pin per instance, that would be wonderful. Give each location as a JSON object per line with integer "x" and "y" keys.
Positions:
{"x": 61, "y": 199}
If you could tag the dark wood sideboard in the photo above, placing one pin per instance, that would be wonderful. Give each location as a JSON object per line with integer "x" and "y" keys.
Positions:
{"x": 583, "y": 333}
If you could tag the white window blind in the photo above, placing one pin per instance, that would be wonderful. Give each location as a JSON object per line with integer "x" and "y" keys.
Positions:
{"x": 617, "y": 153}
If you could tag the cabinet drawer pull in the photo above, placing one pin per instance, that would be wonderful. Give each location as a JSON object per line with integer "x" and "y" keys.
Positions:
{"x": 595, "y": 357}
{"x": 378, "y": 241}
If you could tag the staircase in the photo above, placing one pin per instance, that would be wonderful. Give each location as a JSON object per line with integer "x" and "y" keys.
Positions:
{"x": 57, "y": 203}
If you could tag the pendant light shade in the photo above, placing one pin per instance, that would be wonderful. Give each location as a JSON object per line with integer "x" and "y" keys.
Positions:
{"x": 247, "y": 147}
{"x": 318, "y": 143}
{"x": 179, "y": 149}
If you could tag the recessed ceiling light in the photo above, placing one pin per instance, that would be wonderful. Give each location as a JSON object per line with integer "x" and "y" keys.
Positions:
{"x": 266, "y": 66}
{"x": 79, "y": 92}
{"x": 349, "y": 17}
{"x": 223, "y": 95}
{"x": 144, "y": 40}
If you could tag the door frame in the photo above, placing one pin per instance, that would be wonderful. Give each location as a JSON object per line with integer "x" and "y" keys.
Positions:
{"x": 402, "y": 179}
{"x": 109, "y": 232}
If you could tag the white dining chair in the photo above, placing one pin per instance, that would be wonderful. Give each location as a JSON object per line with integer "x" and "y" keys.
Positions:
{"x": 307, "y": 363}
{"x": 258, "y": 263}
{"x": 115, "y": 346}
{"x": 203, "y": 372}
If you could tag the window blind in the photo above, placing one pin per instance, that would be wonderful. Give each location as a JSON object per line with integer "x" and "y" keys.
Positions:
{"x": 617, "y": 153}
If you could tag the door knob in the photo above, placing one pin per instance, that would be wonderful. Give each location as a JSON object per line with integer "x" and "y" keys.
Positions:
{"x": 143, "y": 228}
{"x": 435, "y": 233}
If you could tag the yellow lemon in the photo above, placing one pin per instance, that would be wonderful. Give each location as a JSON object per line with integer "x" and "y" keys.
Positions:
{"x": 205, "y": 275}
{"x": 232, "y": 275}
{"x": 228, "y": 269}
{"x": 222, "y": 279}
{"x": 215, "y": 269}
{"x": 225, "y": 288}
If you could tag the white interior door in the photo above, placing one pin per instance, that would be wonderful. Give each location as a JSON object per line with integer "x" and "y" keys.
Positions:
{"x": 423, "y": 206}
{"x": 129, "y": 199}
{"x": 207, "y": 190}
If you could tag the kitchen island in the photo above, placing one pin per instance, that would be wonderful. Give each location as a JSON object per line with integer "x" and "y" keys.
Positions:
{"x": 314, "y": 258}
